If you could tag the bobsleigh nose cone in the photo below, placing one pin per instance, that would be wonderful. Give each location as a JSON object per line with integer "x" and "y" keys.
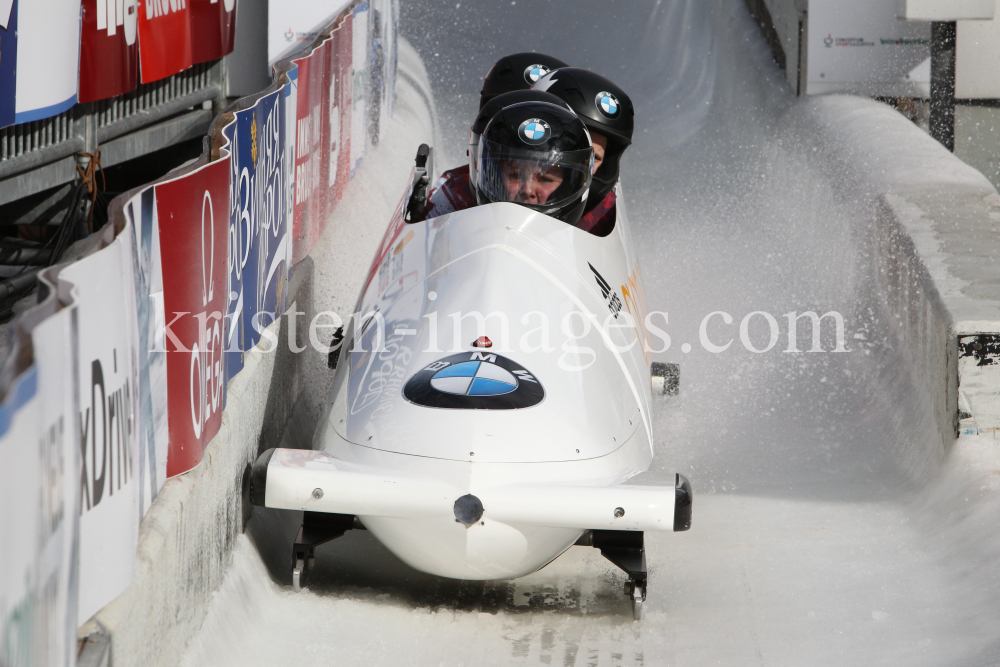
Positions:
{"x": 468, "y": 510}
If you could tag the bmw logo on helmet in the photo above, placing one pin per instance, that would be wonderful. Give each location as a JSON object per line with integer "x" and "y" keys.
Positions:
{"x": 474, "y": 381}
{"x": 608, "y": 104}
{"x": 534, "y": 131}
{"x": 533, "y": 73}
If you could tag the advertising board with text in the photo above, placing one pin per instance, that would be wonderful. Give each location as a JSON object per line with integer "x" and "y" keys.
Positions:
{"x": 109, "y": 49}
{"x": 48, "y": 58}
{"x": 259, "y": 247}
{"x": 860, "y": 46}
{"x": 193, "y": 212}
{"x": 164, "y": 38}
{"x": 148, "y": 331}
{"x": 109, "y": 422}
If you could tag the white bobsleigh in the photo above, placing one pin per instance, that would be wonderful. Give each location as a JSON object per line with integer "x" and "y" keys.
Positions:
{"x": 491, "y": 399}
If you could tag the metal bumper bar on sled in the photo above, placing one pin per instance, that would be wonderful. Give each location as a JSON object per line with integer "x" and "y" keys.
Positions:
{"x": 316, "y": 482}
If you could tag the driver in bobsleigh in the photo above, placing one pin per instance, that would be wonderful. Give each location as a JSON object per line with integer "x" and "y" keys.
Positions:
{"x": 603, "y": 108}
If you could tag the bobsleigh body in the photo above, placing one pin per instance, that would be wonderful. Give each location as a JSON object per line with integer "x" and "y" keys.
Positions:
{"x": 476, "y": 462}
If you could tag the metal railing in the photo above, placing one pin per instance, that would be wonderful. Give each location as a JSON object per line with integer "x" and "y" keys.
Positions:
{"x": 18, "y": 140}
{"x": 28, "y": 148}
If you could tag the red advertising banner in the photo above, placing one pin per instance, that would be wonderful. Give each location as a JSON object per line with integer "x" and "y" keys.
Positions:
{"x": 109, "y": 51}
{"x": 164, "y": 38}
{"x": 311, "y": 142}
{"x": 213, "y": 29}
{"x": 193, "y": 215}
{"x": 322, "y": 135}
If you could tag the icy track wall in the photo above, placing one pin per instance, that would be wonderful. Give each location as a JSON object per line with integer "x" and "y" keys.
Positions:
{"x": 933, "y": 250}
{"x": 126, "y": 441}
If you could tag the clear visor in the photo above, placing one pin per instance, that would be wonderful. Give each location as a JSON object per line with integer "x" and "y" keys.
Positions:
{"x": 541, "y": 179}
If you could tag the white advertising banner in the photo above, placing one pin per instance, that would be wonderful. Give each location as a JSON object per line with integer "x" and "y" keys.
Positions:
{"x": 20, "y": 478}
{"x": 291, "y": 24}
{"x": 149, "y": 331}
{"x": 38, "y": 493}
{"x": 860, "y": 46}
{"x": 48, "y": 58}
{"x": 977, "y": 58}
{"x": 109, "y": 422}
{"x": 55, "y": 346}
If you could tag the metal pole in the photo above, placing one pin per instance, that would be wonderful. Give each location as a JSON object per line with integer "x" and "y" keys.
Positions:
{"x": 942, "y": 122}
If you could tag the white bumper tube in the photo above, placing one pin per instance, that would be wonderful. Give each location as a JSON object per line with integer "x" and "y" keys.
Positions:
{"x": 315, "y": 481}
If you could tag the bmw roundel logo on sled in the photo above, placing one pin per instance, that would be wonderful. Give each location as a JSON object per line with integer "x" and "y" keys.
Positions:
{"x": 608, "y": 104}
{"x": 533, "y": 73}
{"x": 534, "y": 131}
{"x": 474, "y": 381}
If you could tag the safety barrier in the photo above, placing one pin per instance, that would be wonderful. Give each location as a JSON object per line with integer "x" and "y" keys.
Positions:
{"x": 931, "y": 241}
{"x": 121, "y": 373}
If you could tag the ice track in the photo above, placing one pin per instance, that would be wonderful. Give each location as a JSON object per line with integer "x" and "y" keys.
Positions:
{"x": 830, "y": 527}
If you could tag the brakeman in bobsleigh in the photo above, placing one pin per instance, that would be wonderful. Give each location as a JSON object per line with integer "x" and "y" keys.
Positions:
{"x": 471, "y": 438}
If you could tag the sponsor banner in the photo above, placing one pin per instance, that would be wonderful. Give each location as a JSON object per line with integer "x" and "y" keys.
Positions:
{"x": 344, "y": 95}
{"x": 48, "y": 58}
{"x": 109, "y": 49}
{"x": 195, "y": 214}
{"x": 259, "y": 247}
{"x": 291, "y": 94}
{"x": 860, "y": 46}
{"x": 312, "y": 148}
{"x": 148, "y": 325}
{"x": 341, "y": 94}
{"x": 20, "y": 482}
{"x": 213, "y": 29}
{"x": 359, "y": 82}
{"x": 164, "y": 38}
{"x": 977, "y": 54}
{"x": 8, "y": 61}
{"x": 37, "y": 493}
{"x": 58, "y": 488}
{"x": 294, "y": 23}
{"x": 108, "y": 422}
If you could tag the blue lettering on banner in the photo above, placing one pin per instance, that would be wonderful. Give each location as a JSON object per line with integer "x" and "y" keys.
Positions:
{"x": 25, "y": 388}
{"x": 8, "y": 66}
{"x": 258, "y": 226}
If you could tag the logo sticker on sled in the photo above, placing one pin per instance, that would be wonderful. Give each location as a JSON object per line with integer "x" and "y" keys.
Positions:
{"x": 608, "y": 104}
{"x": 474, "y": 381}
{"x": 533, "y": 73}
{"x": 534, "y": 131}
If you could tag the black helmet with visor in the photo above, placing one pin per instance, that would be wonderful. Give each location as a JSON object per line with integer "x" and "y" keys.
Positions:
{"x": 491, "y": 108}
{"x": 518, "y": 71}
{"x": 605, "y": 108}
{"x": 536, "y": 154}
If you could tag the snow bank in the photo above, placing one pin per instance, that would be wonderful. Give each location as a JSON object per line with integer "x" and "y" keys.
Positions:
{"x": 934, "y": 248}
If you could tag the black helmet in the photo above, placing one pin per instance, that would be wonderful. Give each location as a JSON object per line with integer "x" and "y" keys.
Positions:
{"x": 490, "y": 109}
{"x": 497, "y": 103}
{"x": 516, "y": 72}
{"x": 605, "y": 108}
{"x": 535, "y": 154}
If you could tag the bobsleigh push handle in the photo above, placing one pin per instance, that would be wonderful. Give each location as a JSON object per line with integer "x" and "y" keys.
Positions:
{"x": 417, "y": 200}
{"x": 423, "y": 153}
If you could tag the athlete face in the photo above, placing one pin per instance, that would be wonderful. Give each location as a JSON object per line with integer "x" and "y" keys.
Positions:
{"x": 531, "y": 184}
{"x": 600, "y": 145}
